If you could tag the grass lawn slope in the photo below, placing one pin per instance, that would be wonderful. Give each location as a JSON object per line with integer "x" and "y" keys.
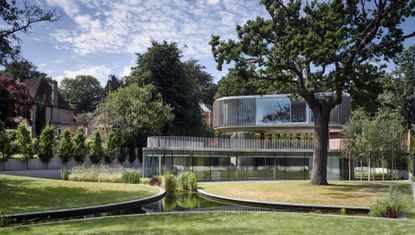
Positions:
{"x": 26, "y": 194}
{"x": 223, "y": 223}
{"x": 342, "y": 193}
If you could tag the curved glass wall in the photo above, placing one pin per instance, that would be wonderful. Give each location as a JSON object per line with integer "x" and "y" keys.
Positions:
{"x": 270, "y": 110}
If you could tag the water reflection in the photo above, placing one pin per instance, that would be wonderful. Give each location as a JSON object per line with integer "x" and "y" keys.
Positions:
{"x": 181, "y": 202}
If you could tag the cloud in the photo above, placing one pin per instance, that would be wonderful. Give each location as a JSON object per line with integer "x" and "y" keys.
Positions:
{"x": 128, "y": 26}
{"x": 100, "y": 72}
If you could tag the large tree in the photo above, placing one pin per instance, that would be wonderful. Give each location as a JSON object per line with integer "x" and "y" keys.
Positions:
{"x": 162, "y": 67}
{"x": 83, "y": 92}
{"x": 23, "y": 70}
{"x": 315, "y": 47}
{"x": 399, "y": 88}
{"x": 19, "y": 17}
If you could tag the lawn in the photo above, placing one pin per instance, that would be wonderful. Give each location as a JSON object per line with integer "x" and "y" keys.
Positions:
{"x": 223, "y": 223}
{"x": 342, "y": 193}
{"x": 26, "y": 194}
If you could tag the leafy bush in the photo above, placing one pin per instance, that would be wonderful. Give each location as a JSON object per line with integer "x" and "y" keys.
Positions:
{"x": 96, "y": 150}
{"x": 390, "y": 206}
{"x": 131, "y": 177}
{"x": 24, "y": 141}
{"x": 65, "y": 146}
{"x": 187, "y": 181}
{"x": 98, "y": 173}
{"x": 46, "y": 144}
{"x": 145, "y": 180}
{"x": 64, "y": 173}
{"x": 169, "y": 183}
{"x": 79, "y": 146}
{"x": 155, "y": 180}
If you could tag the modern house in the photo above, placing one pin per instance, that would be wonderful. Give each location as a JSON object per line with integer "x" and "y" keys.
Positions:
{"x": 261, "y": 137}
{"x": 50, "y": 105}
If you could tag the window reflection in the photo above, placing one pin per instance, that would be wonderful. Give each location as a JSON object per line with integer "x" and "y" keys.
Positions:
{"x": 271, "y": 110}
{"x": 298, "y": 111}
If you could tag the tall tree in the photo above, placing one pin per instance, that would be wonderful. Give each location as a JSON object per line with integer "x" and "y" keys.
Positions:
{"x": 46, "y": 144}
{"x": 80, "y": 148}
{"x": 23, "y": 70}
{"x": 399, "y": 89}
{"x": 315, "y": 47}
{"x": 5, "y": 145}
{"x": 161, "y": 66}
{"x": 83, "y": 92}
{"x": 66, "y": 146}
{"x": 204, "y": 87}
{"x": 113, "y": 84}
{"x": 19, "y": 18}
{"x": 24, "y": 141}
{"x": 15, "y": 101}
{"x": 96, "y": 150}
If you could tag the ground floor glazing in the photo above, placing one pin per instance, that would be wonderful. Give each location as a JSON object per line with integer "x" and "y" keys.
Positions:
{"x": 231, "y": 165}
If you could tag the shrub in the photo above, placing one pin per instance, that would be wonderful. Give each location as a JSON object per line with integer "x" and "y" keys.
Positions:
{"x": 131, "y": 177}
{"x": 64, "y": 173}
{"x": 79, "y": 146}
{"x": 187, "y": 181}
{"x": 389, "y": 206}
{"x": 112, "y": 147}
{"x": 96, "y": 148}
{"x": 155, "y": 180}
{"x": 24, "y": 141}
{"x": 169, "y": 183}
{"x": 46, "y": 144}
{"x": 145, "y": 180}
{"x": 98, "y": 173}
{"x": 65, "y": 146}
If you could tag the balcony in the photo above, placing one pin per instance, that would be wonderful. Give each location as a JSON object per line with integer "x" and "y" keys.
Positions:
{"x": 194, "y": 143}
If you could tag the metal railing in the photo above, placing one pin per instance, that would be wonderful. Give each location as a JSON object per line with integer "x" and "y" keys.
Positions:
{"x": 202, "y": 142}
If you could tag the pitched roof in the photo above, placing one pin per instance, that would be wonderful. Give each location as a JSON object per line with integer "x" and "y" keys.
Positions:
{"x": 40, "y": 89}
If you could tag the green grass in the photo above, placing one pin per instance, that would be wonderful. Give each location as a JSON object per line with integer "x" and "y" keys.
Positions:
{"x": 223, "y": 223}
{"x": 26, "y": 194}
{"x": 343, "y": 193}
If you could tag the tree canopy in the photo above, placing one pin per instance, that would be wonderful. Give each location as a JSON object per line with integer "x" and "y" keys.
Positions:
{"x": 83, "y": 92}
{"x": 316, "y": 47}
{"x": 19, "y": 18}
{"x": 162, "y": 67}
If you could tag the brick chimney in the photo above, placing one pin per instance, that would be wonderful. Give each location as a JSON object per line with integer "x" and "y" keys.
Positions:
{"x": 54, "y": 96}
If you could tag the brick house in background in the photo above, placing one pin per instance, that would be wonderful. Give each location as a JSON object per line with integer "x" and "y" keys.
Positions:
{"x": 57, "y": 111}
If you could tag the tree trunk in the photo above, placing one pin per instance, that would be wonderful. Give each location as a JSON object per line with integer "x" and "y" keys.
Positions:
{"x": 368, "y": 169}
{"x": 350, "y": 170}
{"x": 321, "y": 140}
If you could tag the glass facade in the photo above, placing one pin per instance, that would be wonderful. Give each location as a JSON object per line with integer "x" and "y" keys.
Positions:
{"x": 269, "y": 110}
{"x": 231, "y": 165}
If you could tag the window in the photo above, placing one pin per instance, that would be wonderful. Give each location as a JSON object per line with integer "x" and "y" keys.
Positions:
{"x": 298, "y": 111}
{"x": 272, "y": 110}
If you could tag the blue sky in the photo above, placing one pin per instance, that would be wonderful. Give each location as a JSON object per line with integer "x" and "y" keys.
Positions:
{"x": 101, "y": 37}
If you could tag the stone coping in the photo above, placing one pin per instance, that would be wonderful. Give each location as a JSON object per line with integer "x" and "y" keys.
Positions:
{"x": 283, "y": 206}
{"x": 72, "y": 212}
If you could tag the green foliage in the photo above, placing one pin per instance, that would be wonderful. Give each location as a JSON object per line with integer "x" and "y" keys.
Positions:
{"x": 135, "y": 108}
{"x": 66, "y": 146}
{"x": 40, "y": 121}
{"x": 46, "y": 144}
{"x": 156, "y": 180}
{"x": 113, "y": 147}
{"x": 169, "y": 183}
{"x": 131, "y": 177}
{"x": 96, "y": 150}
{"x": 186, "y": 181}
{"x": 5, "y": 143}
{"x": 342, "y": 211}
{"x": 24, "y": 141}
{"x": 6, "y": 221}
{"x": 237, "y": 83}
{"x": 145, "y": 180}
{"x": 64, "y": 173}
{"x": 82, "y": 92}
{"x": 80, "y": 148}
{"x": 161, "y": 67}
{"x": 113, "y": 84}
{"x": 390, "y": 206}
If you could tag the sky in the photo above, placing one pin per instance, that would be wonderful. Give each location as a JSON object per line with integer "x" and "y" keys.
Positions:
{"x": 102, "y": 37}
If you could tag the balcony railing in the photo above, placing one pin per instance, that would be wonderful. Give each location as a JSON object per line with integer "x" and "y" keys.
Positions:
{"x": 226, "y": 143}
